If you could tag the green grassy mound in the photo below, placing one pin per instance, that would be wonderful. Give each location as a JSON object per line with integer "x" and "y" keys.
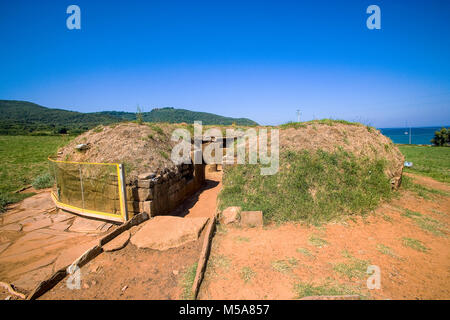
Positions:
{"x": 311, "y": 186}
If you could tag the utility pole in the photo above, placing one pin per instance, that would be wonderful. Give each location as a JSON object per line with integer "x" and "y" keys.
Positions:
{"x": 409, "y": 134}
{"x": 298, "y": 115}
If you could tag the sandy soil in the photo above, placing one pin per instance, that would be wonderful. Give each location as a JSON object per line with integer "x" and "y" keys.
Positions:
{"x": 273, "y": 260}
{"x": 132, "y": 273}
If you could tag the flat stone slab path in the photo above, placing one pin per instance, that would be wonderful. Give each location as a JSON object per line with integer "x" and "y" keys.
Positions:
{"x": 36, "y": 240}
{"x": 166, "y": 232}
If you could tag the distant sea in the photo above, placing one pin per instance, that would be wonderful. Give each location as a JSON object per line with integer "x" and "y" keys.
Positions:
{"x": 420, "y": 135}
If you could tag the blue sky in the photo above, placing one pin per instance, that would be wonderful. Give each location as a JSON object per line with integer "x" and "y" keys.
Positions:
{"x": 257, "y": 59}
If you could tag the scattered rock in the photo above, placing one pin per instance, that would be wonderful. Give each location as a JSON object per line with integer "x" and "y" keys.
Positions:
{"x": 251, "y": 218}
{"x": 82, "y": 146}
{"x": 165, "y": 232}
{"x": 230, "y": 215}
{"x": 147, "y": 175}
{"x": 118, "y": 242}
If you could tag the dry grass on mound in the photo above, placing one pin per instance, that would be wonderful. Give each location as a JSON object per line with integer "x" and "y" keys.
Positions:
{"x": 142, "y": 148}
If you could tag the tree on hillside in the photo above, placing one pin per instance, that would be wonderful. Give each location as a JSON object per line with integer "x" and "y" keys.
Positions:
{"x": 441, "y": 138}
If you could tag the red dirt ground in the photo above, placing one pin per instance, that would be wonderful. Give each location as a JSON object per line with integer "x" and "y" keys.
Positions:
{"x": 407, "y": 274}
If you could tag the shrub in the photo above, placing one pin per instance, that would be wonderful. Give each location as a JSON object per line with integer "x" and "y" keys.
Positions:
{"x": 441, "y": 138}
{"x": 139, "y": 116}
{"x": 43, "y": 181}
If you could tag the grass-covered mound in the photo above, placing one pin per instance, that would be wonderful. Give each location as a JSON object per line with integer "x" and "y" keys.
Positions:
{"x": 310, "y": 186}
{"x": 328, "y": 169}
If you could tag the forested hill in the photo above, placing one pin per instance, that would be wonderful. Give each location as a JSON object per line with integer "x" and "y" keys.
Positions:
{"x": 173, "y": 115}
{"x": 22, "y": 117}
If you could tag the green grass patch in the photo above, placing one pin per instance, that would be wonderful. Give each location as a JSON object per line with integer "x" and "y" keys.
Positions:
{"x": 414, "y": 244}
{"x": 187, "y": 280}
{"x": 285, "y": 266}
{"x": 220, "y": 261}
{"x": 411, "y": 214}
{"x": 317, "y": 241}
{"x": 386, "y": 250}
{"x": 164, "y": 154}
{"x": 328, "y": 289}
{"x": 328, "y": 122}
{"x": 314, "y": 187}
{"x": 422, "y": 191}
{"x": 305, "y": 252}
{"x": 10, "y": 198}
{"x": 247, "y": 274}
{"x": 156, "y": 128}
{"x": 242, "y": 239}
{"x": 22, "y": 159}
{"x": 433, "y": 162}
{"x": 353, "y": 269}
{"x": 426, "y": 223}
{"x": 43, "y": 181}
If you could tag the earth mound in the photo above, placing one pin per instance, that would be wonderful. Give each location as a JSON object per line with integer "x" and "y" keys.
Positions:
{"x": 357, "y": 139}
{"x": 327, "y": 170}
{"x": 141, "y": 147}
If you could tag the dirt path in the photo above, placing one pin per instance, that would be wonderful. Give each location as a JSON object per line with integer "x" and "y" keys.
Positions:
{"x": 428, "y": 182}
{"x": 406, "y": 238}
{"x": 133, "y": 273}
{"x": 203, "y": 203}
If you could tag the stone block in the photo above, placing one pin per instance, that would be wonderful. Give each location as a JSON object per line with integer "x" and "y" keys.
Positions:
{"x": 251, "y": 218}
{"x": 146, "y": 175}
{"x": 230, "y": 215}
{"x": 143, "y": 194}
{"x": 144, "y": 183}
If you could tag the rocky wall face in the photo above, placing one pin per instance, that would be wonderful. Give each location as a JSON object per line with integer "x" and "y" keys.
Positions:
{"x": 158, "y": 194}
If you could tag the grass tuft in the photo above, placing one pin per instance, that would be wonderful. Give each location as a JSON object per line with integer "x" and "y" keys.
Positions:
{"x": 354, "y": 269}
{"x": 247, "y": 274}
{"x": 242, "y": 239}
{"x": 307, "y": 290}
{"x": 317, "y": 241}
{"x": 414, "y": 244}
{"x": 187, "y": 280}
{"x": 426, "y": 223}
{"x": 305, "y": 252}
{"x": 386, "y": 250}
{"x": 43, "y": 181}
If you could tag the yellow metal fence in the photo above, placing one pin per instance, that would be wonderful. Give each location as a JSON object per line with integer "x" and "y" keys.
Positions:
{"x": 92, "y": 189}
